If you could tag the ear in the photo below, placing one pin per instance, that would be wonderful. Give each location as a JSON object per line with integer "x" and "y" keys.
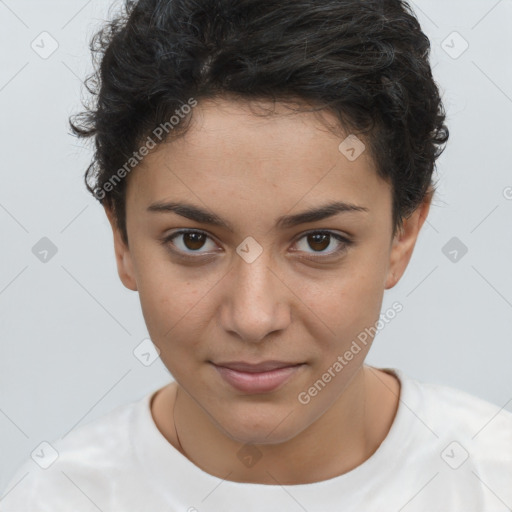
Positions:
{"x": 123, "y": 256}
{"x": 404, "y": 241}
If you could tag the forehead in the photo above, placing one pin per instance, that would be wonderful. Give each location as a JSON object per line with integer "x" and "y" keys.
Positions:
{"x": 231, "y": 148}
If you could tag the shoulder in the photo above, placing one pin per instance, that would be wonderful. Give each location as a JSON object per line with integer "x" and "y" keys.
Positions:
{"x": 476, "y": 427}
{"x": 449, "y": 407}
{"x": 63, "y": 471}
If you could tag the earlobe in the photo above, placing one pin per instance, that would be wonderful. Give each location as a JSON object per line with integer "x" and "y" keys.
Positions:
{"x": 396, "y": 258}
{"x": 404, "y": 242}
{"x": 122, "y": 255}
{"x": 126, "y": 273}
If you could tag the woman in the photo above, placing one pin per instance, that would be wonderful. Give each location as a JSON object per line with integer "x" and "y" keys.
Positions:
{"x": 266, "y": 168}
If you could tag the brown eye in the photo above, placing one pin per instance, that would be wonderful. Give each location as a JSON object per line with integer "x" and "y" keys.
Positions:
{"x": 316, "y": 243}
{"x": 193, "y": 241}
{"x": 319, "y": 242}
{"x": 189, "y": 242}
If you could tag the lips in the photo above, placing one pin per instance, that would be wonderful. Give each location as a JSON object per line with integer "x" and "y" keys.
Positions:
{"x": 257, "y": 378}
{"x": 264, "y": 366}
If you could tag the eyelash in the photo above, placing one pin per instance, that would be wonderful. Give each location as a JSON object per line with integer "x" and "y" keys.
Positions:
{"x": 344, "y": 244}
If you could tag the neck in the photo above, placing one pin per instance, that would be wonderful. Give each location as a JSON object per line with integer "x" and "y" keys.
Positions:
{"x": 339, "y": 440}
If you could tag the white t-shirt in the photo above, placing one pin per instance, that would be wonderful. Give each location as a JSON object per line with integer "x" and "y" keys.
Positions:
{"x": 446, "y": 451}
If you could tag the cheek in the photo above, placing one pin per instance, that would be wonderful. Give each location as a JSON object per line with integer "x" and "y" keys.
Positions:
{"x": 348, "y": 303}
{"x": 169, "y": 308}
{"x": 170, "y": 300}
{"x": 173, "y": 318}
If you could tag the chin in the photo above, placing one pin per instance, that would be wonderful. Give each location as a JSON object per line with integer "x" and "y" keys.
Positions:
{"x": 247, "y": 428}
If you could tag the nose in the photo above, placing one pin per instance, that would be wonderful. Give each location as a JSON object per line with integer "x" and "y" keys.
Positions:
{"x": 255, "y": 302}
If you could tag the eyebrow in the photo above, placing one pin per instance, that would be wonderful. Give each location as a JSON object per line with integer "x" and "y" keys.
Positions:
{"x": 202, "y": 216}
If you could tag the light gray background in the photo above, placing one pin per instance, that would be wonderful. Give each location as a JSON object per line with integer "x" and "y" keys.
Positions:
{"x": 69, "y": 327}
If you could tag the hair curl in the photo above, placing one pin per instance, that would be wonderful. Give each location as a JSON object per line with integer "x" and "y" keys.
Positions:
{"x": 365, "y": 61}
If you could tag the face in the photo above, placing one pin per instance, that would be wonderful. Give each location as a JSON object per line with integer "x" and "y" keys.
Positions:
{"x": 263, "y": 282}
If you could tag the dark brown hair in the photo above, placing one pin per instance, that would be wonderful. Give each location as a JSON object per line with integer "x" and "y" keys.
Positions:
{"x": 365, "y": 61}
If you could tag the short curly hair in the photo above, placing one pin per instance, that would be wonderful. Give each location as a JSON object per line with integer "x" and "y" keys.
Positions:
{"x": 367, "y": 62}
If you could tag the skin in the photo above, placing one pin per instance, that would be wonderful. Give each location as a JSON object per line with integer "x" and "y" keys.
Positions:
{"x": 250, "y": 171}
